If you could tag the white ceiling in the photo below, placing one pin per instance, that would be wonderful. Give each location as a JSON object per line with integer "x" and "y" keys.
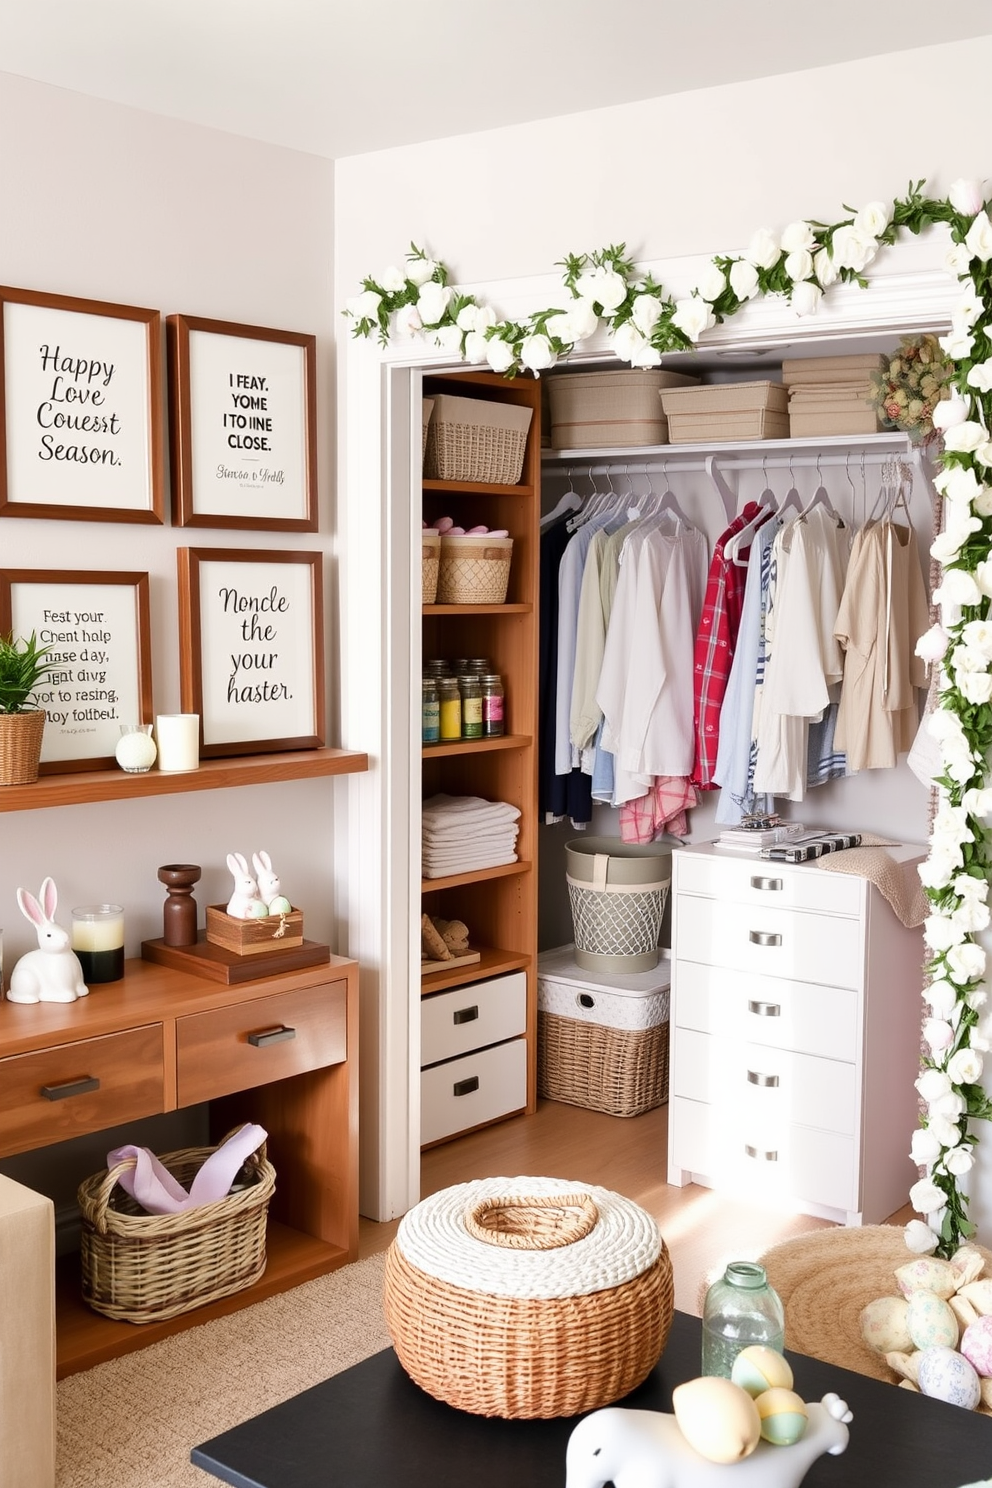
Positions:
{"x": 342, "y": 77}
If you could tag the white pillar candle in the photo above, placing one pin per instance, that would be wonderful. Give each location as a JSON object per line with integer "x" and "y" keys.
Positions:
{"x": 98, "y": 927}
{"x": 178, "y": 737}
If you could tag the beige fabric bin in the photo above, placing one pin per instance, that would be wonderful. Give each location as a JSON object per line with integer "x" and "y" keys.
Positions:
{"x": 608, "y": 410}
{"x": 727, "y": 411}
{"x": 471, "y": 439}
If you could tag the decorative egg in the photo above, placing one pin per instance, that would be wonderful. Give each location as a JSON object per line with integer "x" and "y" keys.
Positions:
{"x": 930, "y": 1321}
{"x": 945, "y": 1375}
{"x": 256, "y": 910}
{"x": 758, "y": 1368}
{"x": 280, "y": 905}
{"x": 927, "y": 1274}
{"x": 976, "y": 1345}
{"x": 783, "y": 1416}
{"x": 884, "y": 1325}
{"x": 717, "y": 1418}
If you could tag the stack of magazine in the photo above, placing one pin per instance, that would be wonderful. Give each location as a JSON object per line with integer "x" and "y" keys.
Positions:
{"x": 784, "y": 842}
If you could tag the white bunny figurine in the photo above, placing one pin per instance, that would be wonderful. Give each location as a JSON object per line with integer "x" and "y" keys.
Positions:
{"x": 268, "y": 880}
{"x": 52, "y": 973}
{"x": 245, "y": 894}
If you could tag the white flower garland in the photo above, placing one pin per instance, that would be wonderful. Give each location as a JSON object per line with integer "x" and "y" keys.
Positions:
{"x": 644, "y": 323}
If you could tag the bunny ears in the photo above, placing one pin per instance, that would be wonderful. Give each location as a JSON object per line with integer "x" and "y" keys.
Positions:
{"x": 39, "y": 913}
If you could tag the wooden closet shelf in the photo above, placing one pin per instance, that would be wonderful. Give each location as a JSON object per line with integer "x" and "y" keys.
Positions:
{"x": 478, "y": 746}
{"x": 487, "y": 609}
{"x": 492, "y": 962}
{"x": 478, "y": 875}
{"x": 475, "y": 488}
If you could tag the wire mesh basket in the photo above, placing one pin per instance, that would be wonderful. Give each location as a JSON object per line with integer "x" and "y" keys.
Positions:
{"x": 617, "y": 894}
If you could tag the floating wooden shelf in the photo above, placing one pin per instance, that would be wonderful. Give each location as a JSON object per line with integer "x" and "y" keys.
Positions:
{"x": 213, "y": 774}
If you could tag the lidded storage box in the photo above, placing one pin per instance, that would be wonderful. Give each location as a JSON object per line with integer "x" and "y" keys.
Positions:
{"x": 606, "y": 410}
{"x": 727, "y": 411}
{"x": 602, "y": 1036}
{"x": 471, "y": 439}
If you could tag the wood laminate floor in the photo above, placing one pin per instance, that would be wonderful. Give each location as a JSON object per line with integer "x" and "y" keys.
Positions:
{"x": 703, "y": 1230}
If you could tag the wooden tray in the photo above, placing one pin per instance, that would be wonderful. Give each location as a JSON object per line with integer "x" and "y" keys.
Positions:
{"x": 428, "y": 968}
{"x": 219, "y": 965}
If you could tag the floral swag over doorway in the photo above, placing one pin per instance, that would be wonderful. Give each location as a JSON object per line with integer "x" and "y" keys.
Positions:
{"x": 801, "y": 264}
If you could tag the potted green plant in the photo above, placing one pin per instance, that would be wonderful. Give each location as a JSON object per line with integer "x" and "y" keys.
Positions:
{"x": 24, "y": 664}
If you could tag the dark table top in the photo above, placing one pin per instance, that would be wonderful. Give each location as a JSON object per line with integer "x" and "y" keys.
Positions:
{"x": 372, "y": 1427}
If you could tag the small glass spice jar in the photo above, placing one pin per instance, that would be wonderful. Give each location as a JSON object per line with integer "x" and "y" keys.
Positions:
{"x": 740, "y": 1309}
{"x": 430, "y": 712}
{"x": 450, "y": 698}
{"x": 470, "y": 687}
{"x": 492, "y": 706}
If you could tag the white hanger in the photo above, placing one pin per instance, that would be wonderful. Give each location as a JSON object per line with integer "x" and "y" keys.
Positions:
{"x": 768, "y": 502}
{"x": 820, "y": 497}
{"x": 669, "y": 502}
{"x": 793, "y": 501}
{"x": 569, "y": 501}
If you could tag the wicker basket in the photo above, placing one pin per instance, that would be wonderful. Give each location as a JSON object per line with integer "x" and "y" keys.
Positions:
{"x": 469, "y": 439}
{"x": 431, "y": 562}
{"x": 143, "y": 1268}
{"x": 528, "y": 1297}
{"x": 427, "y": 407}
{"x": 474, "y": 570}
{"x": 20, "y": 746}
{"x": 620, "y": 1071}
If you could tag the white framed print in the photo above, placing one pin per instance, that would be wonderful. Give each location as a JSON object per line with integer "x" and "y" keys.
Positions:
{"x": 251, "y": 652}
{"x": 243, "y": 418}
{"x": 81, "y": 409}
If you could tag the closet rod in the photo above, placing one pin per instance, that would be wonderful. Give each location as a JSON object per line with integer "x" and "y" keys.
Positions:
{"x": 698, "y": 463}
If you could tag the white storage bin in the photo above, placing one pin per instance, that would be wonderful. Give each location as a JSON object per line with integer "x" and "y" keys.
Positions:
{"x": 455, "y": 1022}
{"x": 472, "y": 1090}
{"x": 630, "y": 1000}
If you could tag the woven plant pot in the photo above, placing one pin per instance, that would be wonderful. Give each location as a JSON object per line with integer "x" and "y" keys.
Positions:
{"x": 20, "y": 746}
{"x": 528, "y": 1297}
{"x": 144, "y": 1268}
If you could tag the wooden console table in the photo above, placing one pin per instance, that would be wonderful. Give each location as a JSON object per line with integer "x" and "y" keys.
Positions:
{"x": 160, "y": 1040}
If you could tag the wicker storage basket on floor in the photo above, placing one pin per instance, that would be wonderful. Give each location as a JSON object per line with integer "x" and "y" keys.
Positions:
{"x": 470, "y": 439}
{"x": 474, "y": 569}
{"x": 143, "y": 1268}
{"x": 528, "y": 1297}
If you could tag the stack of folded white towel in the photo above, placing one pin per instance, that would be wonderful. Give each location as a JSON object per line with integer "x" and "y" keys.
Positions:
{"x": 461, "y": 833}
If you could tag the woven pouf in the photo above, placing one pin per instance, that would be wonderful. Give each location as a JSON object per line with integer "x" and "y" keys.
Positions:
{"x": 528, "y": 1297}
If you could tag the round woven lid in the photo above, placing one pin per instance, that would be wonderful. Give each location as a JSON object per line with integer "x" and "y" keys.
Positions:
{"x": 825, "y": 1278}
{"x": 437, "y": 1237}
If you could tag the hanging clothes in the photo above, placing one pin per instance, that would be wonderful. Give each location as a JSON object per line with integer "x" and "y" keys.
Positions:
{"x": 734, "y": 762}
{"x": 567, "y": 794}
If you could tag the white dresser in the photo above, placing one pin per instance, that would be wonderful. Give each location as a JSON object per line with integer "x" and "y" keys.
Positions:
{"x": 795, "y": 1035}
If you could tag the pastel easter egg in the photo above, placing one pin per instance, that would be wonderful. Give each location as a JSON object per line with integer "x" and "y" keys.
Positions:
{"x": 758, "y": 1368}
{"x": 280, "y": 905}
{"x": 717, "y": 1418}
{"x": 256, "y": 910}
{"x": 946, "y": 1375}
{"x": 473, "y": 530}
{"x": 783, "y": 1416}
{"x": 976, "y": 1345}
{"x": 884, "y": 1325}
{"x": 930, "y": 1321}
{"x": 927, "y": 1274}
{"x": 444, "y": 524}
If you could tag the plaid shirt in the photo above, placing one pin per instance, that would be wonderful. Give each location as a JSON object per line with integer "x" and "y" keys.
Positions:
{"x": 715, "y": 642}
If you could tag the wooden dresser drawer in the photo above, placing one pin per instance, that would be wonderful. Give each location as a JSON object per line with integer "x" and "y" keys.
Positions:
{"x": 771, "y": 1088}
{"x": 774, "y": 942}
{"x": 91, "y": 1084}
{"x": 784, "y": 1014}
{"x": 761, "y": 882}
{"x": 260, "y": 1040}
{"x": 466, "y": 1018}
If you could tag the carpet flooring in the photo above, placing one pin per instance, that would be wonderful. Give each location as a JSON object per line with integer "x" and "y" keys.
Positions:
{"x": 131, "y": 1423}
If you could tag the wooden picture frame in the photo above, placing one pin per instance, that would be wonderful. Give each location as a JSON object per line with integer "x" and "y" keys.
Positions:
{"x": 251, "y": 648}
{"x": 97, "y": 625}
{"x": 243, "y": 426}
{"x": 81, "y": 426}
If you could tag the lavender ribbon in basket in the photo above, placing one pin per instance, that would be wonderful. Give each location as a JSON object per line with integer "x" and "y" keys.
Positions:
{"x": 153, "y": 1187}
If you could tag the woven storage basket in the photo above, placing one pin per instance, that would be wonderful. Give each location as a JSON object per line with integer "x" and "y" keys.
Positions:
{"x": 143, "y": 1268}
{"x": 20, "y": 746}
{"x": 474, "y": 570}
{"x": 426, "y": 409}
{"x": 470, "y": 439}
{"x": 617, "y": 892}
{"x": 431, "y": 562}
{"x": 528, "y": 1297}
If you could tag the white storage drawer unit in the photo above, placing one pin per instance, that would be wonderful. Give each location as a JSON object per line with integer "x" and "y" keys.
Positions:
{"x": 795, "y": 1034}
{"x": 473, "y": 1055}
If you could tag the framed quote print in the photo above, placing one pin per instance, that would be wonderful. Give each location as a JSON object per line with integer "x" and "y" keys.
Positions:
{"x": 243, "y": 419}
{"x": 251, "y": 653}
{"x": 96, "y": 628}
{"x": 80, "y": 409}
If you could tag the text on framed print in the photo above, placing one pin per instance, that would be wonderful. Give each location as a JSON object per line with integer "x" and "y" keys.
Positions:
{"x": 81, "y": 406}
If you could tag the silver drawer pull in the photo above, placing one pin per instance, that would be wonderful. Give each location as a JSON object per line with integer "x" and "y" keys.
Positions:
{"x": 763, "y": 938}
{"x": 465, "y": 1015}
{"x": 758, "y": 882}
{"x": 765, "y": 1009}
{"x": 762, "y": 1156}
{"x": 271, "y": 1036}
{"x": 70, "y": 1087}
{"x": 765, "y": 1081}
{"x": 465, "y": 1087}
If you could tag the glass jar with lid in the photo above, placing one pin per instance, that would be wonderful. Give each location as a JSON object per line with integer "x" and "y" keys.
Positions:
{"x": 493, "y": 723}
{"x": 450, "y": 702}
{"x": 471, "y": 692}
{"x": 430, "y": 712}
{"x": 740, "y": 1309}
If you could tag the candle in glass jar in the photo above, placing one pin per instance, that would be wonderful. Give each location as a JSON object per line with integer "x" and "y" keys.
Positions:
{"x": 178, "y": 737}
{"x": 98, "y": 941}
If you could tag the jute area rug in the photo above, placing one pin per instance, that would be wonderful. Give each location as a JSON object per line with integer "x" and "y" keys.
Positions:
{"x": 131, "y": 1423}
